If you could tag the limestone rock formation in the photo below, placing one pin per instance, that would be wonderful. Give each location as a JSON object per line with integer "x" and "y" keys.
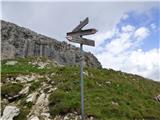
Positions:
{"x": 21, "y": 42}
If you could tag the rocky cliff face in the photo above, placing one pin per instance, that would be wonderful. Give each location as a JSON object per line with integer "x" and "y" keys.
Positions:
{"x": 21, "y": 42}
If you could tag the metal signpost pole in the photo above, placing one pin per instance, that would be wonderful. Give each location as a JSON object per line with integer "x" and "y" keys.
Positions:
{"x": 76, "y": 36}
{"x": 81, "y": 82}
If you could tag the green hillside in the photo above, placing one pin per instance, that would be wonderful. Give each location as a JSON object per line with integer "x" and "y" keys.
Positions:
{"x": 109, "y": 94}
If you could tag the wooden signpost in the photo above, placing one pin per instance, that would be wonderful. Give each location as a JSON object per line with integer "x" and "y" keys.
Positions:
{"x": 83, "y": 32}
{"x": 76, "y": 37}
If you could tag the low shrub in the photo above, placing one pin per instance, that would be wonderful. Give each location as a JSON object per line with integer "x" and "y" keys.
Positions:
{"x": 10, "y": 89}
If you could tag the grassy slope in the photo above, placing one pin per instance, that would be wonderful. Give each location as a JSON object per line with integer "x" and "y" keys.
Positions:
{"x": 133, "y": 94}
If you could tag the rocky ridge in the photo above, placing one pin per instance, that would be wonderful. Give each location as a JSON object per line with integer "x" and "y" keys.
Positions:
{"x": 21, "y": 42}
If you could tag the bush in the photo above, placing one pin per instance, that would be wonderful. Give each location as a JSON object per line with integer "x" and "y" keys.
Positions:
{"x": 23, "y": 114}
{"x": 62, "y": 103}
{"x": 56, "y": 97}
{"x": 10, "y": 89}
{"x": 34, "y": 86}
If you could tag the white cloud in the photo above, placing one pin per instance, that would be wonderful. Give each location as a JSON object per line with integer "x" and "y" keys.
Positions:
{"x": 121, "y": 41}
{"x": 141, "y": 33}
{"x": 125, "y": 16}
{"x": 128, "y": 28}
{"x": 101, "y": 37}
{"x": 146, "y": 63}
{"x": 153, "y": 26}
{"x": 137, "y": 62}
{"x": 123, "y": 53}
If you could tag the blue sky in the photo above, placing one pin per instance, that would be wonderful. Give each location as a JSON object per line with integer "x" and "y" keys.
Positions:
{"x": 149, "y": 19}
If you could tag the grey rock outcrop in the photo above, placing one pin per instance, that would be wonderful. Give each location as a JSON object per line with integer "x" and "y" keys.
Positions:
{"x": 21, "y": 42}
{"x": 10, "y": 112}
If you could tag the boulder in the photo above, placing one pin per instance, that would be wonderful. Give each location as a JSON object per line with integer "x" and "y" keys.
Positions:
{"x": 32, "y": 97}
{"x": 10, "y": 112}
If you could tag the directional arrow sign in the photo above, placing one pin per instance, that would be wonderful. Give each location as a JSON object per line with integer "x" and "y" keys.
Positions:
{"x": 81, "y": 25}
{"x": 82, "y": 32}
{"x": 80, "y": 40}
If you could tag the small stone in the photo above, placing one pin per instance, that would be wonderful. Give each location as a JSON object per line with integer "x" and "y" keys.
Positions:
{"x": 85, "y": 73}
{"x": 91, "y": 118}
{"x": 114, "y": 103}
{"x": 98, "y": 84}
{"x": 108, "y": 82}
{"x": 53, "y": 74}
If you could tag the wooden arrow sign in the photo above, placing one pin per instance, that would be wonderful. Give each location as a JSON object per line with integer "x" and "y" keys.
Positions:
{"x": 81, "y": 25}
{"x": 80, "y": 40}
{"x": 77, "y": 33}
{"x": 82, "y": 32}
